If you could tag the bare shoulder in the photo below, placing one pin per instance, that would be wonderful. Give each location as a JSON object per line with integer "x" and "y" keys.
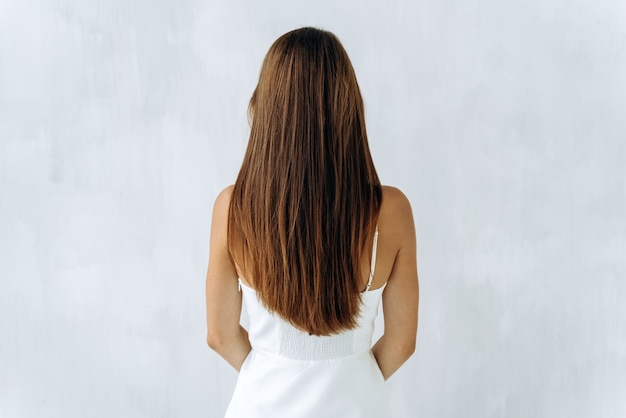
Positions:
{"x": 396, "y": 214}
{"x": 395, "y": 198}
{"x": 222, "y": 202}
{"x": 220, "y": 214}
{"x": 396, "y": 205}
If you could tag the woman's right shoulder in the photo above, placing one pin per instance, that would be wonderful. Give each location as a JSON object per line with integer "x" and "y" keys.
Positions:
{"x": 396, "y": 213}
{"x": 395, "y": 201}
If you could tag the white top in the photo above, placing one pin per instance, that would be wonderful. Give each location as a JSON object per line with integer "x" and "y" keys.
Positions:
{"x": 289, "y": 373}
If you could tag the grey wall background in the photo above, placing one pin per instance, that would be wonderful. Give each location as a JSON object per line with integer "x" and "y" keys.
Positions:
{"x": 503, "y": 122}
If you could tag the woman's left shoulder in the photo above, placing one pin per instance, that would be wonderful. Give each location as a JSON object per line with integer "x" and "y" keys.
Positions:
{"x": 222, "y": 201}
{"x": 221, "y": 208}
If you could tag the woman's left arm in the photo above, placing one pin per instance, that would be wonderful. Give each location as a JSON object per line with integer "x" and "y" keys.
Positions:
{"x": 223, "y": 299}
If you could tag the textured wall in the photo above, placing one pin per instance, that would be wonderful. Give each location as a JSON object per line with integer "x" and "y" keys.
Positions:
{"x": 504, "y": 123}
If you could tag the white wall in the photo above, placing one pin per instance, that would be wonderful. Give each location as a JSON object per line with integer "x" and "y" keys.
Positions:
{"x": 503, "y": 122}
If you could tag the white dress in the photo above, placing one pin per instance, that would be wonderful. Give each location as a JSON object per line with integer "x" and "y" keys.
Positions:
{"x": 291, "y": 374}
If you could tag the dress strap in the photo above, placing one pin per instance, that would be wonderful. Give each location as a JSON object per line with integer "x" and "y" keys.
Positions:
{"x": 373, "y": 265}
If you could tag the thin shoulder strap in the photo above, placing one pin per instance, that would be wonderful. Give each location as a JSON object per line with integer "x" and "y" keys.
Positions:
{"x": 373, "y": 265}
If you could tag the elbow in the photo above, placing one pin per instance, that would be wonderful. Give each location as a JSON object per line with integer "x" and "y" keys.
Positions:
{"x": 406, "y": 348}
{"x": 222, "y": 339}
{"x": 214, "y": 341}
{"x": 410, "y": 349}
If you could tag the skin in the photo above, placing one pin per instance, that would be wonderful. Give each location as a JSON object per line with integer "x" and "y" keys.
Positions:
{"x": 396, "y": 264}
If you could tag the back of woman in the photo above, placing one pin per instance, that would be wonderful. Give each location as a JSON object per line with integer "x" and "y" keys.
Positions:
{"x": 309, "y": 239}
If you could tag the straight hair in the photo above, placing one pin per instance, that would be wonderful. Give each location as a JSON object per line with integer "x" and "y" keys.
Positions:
{"x": 306, "y": 201}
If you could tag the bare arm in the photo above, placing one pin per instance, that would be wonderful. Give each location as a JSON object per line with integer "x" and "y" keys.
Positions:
{"x": 223, "y": 299}
{"x": 401, "y": 295}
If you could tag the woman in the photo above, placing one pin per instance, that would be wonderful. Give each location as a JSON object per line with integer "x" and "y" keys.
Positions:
{"x": 311, "y": 241}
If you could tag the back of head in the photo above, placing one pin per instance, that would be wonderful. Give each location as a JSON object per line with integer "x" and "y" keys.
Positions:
{"x": 307, "y": 196}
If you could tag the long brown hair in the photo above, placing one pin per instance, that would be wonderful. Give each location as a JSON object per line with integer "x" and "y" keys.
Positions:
{"x": 306, "y": 200}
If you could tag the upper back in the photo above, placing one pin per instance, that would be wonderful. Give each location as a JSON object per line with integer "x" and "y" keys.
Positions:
{"x": 394, "y": 216}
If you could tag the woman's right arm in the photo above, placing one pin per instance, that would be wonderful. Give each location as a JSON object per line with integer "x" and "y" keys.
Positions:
{"x": 401, "y": 295}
